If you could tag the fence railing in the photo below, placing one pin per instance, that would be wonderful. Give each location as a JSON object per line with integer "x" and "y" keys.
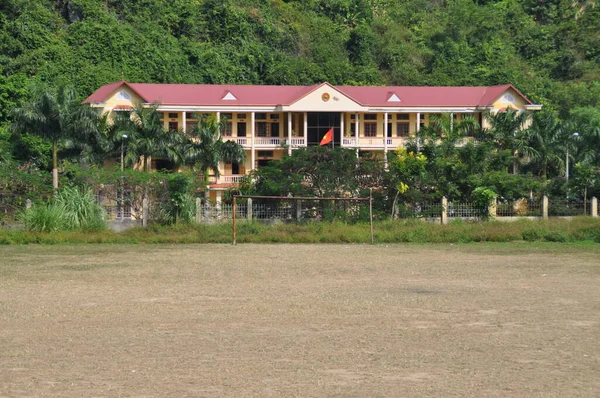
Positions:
{"x": 519, "y": 208}
{"x": 569, "y": 208}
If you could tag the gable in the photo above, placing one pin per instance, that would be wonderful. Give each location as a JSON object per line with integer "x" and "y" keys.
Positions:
{"x": 121, "y": 97}
{"x": 510, "y": 99}
{"x": 325, "y": 98}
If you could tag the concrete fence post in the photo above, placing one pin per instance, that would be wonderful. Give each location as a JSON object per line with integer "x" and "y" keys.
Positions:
{"x": 249, "y": 209}
{"x": 444, "y": 210}
{"x": 298, "y": 210}
{"x": 198, "y": 210}
{"x": 145, "y": 212}
{"x": 545, "y": 207}
{"x": 594, "y": 210}
{"x": 28, "y": 204}
{"x": 492, "y": 212}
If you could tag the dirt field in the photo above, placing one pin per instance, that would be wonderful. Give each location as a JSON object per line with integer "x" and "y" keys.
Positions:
{"x": 300, "y": 321}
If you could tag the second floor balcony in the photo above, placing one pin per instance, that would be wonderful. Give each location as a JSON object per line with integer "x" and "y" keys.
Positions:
{"x": 267, "y": 142}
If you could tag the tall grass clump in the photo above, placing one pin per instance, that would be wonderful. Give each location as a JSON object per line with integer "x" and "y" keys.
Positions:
{"x": 47, "y": 217}
{"x": 69, "y": 209}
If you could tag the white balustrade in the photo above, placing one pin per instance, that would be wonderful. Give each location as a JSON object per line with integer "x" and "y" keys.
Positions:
{"x": 231, "y": 178}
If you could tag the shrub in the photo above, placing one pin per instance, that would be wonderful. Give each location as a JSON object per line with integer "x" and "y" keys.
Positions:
{"x": 43, "y": 218}
{"x": 80, "y": 209}
{"x": 69, "y": 209}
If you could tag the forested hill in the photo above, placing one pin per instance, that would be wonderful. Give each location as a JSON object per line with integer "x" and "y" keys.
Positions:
{"x": 550, "y": 49}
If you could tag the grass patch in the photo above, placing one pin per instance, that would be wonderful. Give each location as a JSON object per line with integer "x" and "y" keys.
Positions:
{"x": 579, "y": 229}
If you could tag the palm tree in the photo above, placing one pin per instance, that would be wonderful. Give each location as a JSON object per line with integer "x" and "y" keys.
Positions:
{"x": 146, "y": 136}
{"x": 507, "y": 130}
{"x": 56, "y": 116}
{"x": 451, "y": 132}
{"x": 547, "y": 139}
{"x": 205, "y": 149}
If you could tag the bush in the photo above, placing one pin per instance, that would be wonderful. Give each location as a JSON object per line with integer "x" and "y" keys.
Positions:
{"x": 69, "y": 209}
{"x": 43, "y": 218}
{"x": 80, "y": 209}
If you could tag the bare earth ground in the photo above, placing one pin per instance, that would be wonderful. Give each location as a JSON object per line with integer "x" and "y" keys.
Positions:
{"x": 300, "y": 321}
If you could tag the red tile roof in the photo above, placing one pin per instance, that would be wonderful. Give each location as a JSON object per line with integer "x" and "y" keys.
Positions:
{"x": 253, "y": 95}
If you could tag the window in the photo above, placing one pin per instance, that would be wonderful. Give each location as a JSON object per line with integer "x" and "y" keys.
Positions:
{"x": 274, "y": 129}
{"x": 260, "y": 116}
{"x": 370, "y": 116}
{"x": 227, "y": 116}
{"x": 265, "y": 154}
{"x": 370, "y": 129}
{"x": 241, "y": 129}
{"x": 261, "y": 129}
{"x": 389, "y": 129}
{"x": 173, "y": 126}
{"x": 123, "y": 96}
{"x": 275, "y": 116}
{"x": 402, "y": 129}
{"x": 353, "y": 116}
{"x": 227, "y": 128}
{"x": 172, "y": 115}
{"x": 352, "y": 130}
{"x": 241, "y": 115}
{"x": 403, "y": 116}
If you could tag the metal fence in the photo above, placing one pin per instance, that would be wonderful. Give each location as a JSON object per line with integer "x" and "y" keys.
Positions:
{"x": 286, "y": 211}
{"x": 558, "y": 208}
{"x": 420, "y": 210}
{"x": 519, "y": 208}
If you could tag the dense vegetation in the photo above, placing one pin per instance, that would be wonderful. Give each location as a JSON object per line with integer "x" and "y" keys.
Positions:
{"x": 550, "y": 50}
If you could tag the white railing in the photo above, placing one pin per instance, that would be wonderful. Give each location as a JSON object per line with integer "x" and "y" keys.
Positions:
{"x": 349, "y": 141}
{"x": 243, "y": 141}
{"x": 375, "y": 142}
{"x": 268, "y": 141}
{"x": 395, "y": 142}
{"x": 231, "y": 178}
{"x": 298, "y": 141}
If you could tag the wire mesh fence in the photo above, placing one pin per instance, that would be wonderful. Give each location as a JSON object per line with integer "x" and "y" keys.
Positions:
{"x": 464, "y": 210}
{"x": 285, "y": 211}
{"x": 420, "y": 210}
{"x": 558, "y": 208}
{"x": 519, "y": 208}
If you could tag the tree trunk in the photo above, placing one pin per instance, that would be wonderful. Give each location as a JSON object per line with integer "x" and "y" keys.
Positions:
{"x": 55, "y": 166}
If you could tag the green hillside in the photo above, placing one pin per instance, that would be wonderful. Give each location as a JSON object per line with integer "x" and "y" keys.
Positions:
{"x": 550, "y": 49}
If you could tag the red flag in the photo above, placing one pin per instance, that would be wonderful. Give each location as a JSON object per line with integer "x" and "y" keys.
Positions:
{"x": 327, "y": 138}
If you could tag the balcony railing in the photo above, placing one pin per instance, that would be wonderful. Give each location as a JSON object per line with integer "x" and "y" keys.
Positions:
{"x": 375, "y": 142}
{"x": 231, "y": 178}
{"x": 267, "y": 142}
{"x": 226, "y": 179}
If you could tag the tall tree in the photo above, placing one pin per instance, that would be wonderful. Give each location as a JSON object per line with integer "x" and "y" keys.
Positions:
{"x": 143, "y": 135}
{"x": 56, "y": 116}
{"x": 507, "y": 130}
{"x": 547, "y": 140}
{"x": 204, "y": 148}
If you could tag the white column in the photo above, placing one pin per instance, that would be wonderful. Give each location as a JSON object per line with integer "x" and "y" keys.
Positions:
{"x": 305, "y": 129}
{"x": 342, "y": 129}
{"x": 218, "y": 117}
{"x": 451, "y": 121}
{"x": 385, "y": 138}
{"x": 417, "y": 131}
{"x": 252, "y": 152}
{"x": 356, "y": 124}
{"x": 184, "y": 118}
{"x": 289, "y": 133}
